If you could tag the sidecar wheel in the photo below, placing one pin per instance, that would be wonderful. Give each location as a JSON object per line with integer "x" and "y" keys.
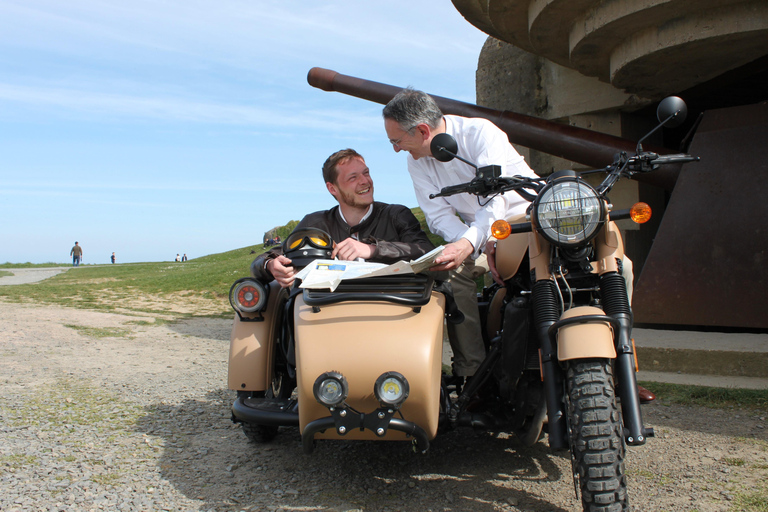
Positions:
{"x": 281, "y": 389}
{"x": 259, "y": 434}
{"x": 597, "y": 443}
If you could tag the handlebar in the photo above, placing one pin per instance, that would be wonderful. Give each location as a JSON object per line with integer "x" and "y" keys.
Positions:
{"x": 623, "y": 166}
{"x": 485, "y": 186}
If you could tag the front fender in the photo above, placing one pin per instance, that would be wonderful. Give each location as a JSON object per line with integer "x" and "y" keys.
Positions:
{"x": 589, "y": 339}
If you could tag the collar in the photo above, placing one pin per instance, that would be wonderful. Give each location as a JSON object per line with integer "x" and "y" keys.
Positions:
{"x": 367, "y": 214}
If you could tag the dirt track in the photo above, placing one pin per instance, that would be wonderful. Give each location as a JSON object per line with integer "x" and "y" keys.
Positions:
{"x": 112, "y": 412}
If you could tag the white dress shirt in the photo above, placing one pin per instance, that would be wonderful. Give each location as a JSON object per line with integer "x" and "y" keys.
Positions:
{"x": 483, "y": 143}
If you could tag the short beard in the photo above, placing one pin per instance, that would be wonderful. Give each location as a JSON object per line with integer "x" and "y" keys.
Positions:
{"x": 353, "y": 200}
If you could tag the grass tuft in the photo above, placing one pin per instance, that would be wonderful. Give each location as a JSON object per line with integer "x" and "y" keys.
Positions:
{"x": 716, "y": 398}
{"x": 100, "y": 332}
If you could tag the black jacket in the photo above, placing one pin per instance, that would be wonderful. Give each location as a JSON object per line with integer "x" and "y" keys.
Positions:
{"x": 392, "y": 228}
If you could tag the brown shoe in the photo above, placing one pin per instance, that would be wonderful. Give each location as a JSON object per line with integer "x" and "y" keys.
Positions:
{"x": 645, "y": 395}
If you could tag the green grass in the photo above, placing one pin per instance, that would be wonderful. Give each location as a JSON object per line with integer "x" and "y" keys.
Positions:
{"x": 435, "y": 239}
{"x": 717, "y": 398}
{"x": 100, "y": 332}
{"x": 16, "y": 461}
{"x": 113, "y": 287}
{"x": 755, "y": 501}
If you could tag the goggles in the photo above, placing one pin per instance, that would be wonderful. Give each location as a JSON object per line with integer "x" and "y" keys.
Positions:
{"x": 307, "y": 237}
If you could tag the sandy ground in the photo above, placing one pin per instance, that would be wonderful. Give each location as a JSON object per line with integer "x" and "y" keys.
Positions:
{"x": 105, "y": 411}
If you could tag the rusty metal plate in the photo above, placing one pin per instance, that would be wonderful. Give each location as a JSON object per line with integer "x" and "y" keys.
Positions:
{"x": 708, "y": 264}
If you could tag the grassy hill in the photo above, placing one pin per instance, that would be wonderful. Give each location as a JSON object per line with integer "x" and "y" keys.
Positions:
{"x": 164, "y": 286}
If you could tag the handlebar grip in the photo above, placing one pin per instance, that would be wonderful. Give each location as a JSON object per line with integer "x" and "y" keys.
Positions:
{"x": 450, "y": 190}
{"x": 675, "y": 159}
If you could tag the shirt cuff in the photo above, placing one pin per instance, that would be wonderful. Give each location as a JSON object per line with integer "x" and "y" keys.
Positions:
{"x": 477, "y": 240}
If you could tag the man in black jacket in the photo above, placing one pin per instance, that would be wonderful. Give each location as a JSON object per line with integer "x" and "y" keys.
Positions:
{"x": 360, "y": 227}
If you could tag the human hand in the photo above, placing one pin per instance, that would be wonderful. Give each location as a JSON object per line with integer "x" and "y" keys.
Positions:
{"x": 490, "y": 253}
{"x": 351, "y": 249}
{"x": 453, "y": 255}
{"x": 281, "y": 270}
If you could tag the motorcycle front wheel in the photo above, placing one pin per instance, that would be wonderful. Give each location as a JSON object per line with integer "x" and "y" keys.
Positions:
{"x": 596, "y": 436}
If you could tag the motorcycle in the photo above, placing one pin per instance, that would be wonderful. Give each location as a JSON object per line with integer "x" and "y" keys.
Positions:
{"x": 364, "y": 362}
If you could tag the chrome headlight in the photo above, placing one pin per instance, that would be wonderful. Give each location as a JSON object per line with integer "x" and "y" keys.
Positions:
{"x": 248, "y": 295}
{"x": 331, "y": 389}
{"x": 391, "y": 389}
{"x": 568, "y": 212}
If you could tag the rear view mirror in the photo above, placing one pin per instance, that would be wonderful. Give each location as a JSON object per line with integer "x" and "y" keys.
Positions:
{"x": 672, "y": 111}
{"x": 443, "y": 147}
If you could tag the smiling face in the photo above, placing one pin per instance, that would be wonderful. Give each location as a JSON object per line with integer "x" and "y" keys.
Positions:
{"x": 415, "y": 141}
{"x": 354, "y": 186}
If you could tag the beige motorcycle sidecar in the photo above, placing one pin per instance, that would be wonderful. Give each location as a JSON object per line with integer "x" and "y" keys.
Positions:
{"x": 361, "y": 338}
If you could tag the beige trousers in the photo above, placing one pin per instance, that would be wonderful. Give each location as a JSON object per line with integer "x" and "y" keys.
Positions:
{"x": 466, "y": 338}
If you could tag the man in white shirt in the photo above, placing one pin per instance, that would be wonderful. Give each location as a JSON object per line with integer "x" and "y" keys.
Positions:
{"x": 411, "y": 120}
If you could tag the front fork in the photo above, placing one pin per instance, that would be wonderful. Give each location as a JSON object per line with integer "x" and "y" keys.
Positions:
{"x": 613, "y": 290}
{"x": 546, "y": 310}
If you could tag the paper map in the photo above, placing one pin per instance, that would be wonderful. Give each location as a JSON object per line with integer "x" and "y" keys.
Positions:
{"x": 329, "y": 273}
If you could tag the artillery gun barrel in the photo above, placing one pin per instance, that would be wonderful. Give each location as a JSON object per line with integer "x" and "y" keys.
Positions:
{"x": 587, "y": 147}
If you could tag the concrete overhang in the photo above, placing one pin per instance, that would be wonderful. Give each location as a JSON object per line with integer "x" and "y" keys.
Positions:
{"x": 648, "y": 47}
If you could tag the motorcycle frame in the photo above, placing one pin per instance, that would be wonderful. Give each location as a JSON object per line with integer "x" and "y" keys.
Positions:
{"x": 581, "y": 332}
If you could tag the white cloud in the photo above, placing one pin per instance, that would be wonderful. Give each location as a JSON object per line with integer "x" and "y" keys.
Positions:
{"x": 108, "y": 106}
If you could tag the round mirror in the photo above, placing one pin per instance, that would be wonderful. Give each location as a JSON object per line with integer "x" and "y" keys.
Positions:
{"x": 444, "y": 147}
{"x": 672, "y": 106}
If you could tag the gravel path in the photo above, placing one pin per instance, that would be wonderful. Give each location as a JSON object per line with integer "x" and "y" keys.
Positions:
{"x": 30, "y": 275}
{"x": 113, "y": 412}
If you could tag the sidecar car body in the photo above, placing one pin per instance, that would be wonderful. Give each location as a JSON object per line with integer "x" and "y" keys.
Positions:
{"x": 368, "y": 360}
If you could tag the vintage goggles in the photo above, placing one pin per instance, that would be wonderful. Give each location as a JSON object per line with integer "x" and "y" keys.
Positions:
{"x": 307, "y": 237}
{"x": 305, "y": 245}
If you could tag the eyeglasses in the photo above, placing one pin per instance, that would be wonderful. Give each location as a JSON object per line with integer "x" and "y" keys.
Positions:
{"x": 407, "y": 132}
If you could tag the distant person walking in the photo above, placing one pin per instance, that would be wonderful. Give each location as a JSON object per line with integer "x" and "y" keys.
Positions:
{"x": 178, "y": 258}
{"x": 184, "y": 258}
{"x": 77, "y": 255}
{"x": 113, "y": 257}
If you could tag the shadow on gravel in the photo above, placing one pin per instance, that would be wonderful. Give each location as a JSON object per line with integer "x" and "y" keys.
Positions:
{"x": 203, "y": 327}
{"x": 209, "y": 459}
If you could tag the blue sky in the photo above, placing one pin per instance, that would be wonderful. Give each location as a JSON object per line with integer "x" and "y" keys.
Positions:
{"x": 156, "y": 127}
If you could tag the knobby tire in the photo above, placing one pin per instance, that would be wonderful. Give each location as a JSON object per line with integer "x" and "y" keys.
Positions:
{"x": 596, "y": 436}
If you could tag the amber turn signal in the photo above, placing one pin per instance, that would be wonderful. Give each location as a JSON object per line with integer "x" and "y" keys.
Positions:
{"x": 640, "y": 213}
{"x": 501, "y": 229}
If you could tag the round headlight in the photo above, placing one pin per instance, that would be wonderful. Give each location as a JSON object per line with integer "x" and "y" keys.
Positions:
{"x": 248, "y": 295}
{"x": 568, "y": 212}
{"x": 331, "y": 389}
{"x": 391, "y": 389}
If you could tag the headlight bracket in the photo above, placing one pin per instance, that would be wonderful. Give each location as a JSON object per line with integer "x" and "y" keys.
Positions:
{"x": 346, "y": 419}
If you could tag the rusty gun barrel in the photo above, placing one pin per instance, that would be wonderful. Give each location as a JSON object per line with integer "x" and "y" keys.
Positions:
{"x": 580, "y": 145}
